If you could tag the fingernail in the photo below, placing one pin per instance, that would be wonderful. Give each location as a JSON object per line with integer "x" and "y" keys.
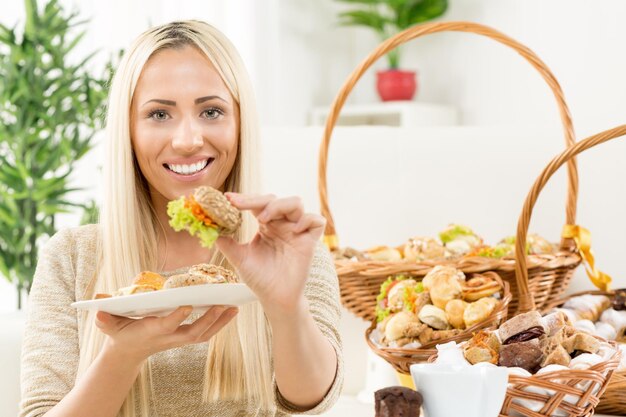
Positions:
{"x": 187, "y": 311}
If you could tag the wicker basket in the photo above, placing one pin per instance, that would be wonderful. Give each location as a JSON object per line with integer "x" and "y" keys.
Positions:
{"x": 360, "y": 281}
{"x": 600, "y": 374}
{"x": 401, "y": 359}
{"x": 613, "y": 401}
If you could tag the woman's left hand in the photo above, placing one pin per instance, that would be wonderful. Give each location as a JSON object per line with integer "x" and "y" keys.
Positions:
{"x": 275, "y": 263}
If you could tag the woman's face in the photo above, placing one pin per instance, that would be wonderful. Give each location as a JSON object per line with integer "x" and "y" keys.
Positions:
{"x": 184, "y": 123}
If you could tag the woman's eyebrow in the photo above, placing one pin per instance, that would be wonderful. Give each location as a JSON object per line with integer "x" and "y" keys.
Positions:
{"x": 196, "y": 101}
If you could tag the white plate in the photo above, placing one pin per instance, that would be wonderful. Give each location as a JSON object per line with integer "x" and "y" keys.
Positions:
{"x": 162, "y": 302}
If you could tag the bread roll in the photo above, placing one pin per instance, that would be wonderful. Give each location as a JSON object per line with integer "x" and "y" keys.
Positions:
{"x": 454, "y": 313}
{"x": 434, "y": 317}
{"x": 478, "y": 311}
{"x": 397, "y": 324}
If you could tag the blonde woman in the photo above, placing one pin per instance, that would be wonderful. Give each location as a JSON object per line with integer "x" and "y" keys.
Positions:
{"x": 181, "y": 114}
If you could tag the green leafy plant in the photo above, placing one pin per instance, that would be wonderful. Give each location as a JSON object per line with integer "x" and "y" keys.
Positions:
{"x": 388, "y": 17}
{"x": 50, "y": 109}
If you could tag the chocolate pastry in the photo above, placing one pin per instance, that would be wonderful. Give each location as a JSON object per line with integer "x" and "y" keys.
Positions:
{"x": 619, "y": 301}
{"x": 519, "y": 324}
{"x": 397, "y": 402}
{"x": 527, "y": 355}
{"x": 532, "y": 333}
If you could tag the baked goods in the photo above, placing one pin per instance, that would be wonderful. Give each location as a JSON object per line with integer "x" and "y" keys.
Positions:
{"x": 206, "y": 214}
{"x": 215, "y": 274}
{"x": 588, "y": 306}
{"x": 199, "y": 275}
{"x": 522, "y": 327}
{"x": 444, "y": 284}
{"x": 397, "y": 402}
{"x": 460, "y": 240}
{"x": 148, "y": 281}
{"x": 133, "y": 289}
{"x": 454, "y": 313}
{"x": 413, "y": 314}
{"x": 479, "y": 287}
{"x": 479, "y": 310}
{"x": 526, "y": 355}
{"x": 532, "y": 342}
{"x": 434, "y": 317}
{"x": 383, "y": 253}
{"x": 483, "y": 347}
{"x": 395, "y": 327}
{"x": 423, "y": 248}
{"x": 597, "y": 314}
{"x": 149, "y": 278}
{"x": 619, "y": 300}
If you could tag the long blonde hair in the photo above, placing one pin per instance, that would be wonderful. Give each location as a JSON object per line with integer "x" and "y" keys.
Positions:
{"x": 129, "y": 227}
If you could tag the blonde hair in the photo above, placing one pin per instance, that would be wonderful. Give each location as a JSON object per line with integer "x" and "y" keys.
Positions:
{"x": 129, "y": 226}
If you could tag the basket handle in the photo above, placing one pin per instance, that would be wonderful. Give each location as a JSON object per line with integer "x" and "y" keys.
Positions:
{"x": 424, "y": 29}
{"x": 526, "y": 301}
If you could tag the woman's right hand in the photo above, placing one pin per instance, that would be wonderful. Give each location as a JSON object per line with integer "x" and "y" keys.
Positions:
{"x": 137, "y": 339}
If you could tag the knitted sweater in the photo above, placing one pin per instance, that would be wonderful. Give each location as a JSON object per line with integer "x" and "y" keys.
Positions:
{"x": 51, "y": 343}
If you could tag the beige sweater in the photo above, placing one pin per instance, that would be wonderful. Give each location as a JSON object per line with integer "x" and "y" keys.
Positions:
{"x": 51, "y": 342}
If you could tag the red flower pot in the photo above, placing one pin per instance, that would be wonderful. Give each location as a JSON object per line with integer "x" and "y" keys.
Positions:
{"x": 396, "y": 84}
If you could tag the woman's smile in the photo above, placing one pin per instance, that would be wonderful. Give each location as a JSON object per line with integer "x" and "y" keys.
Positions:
{"x": 191, "y": 169}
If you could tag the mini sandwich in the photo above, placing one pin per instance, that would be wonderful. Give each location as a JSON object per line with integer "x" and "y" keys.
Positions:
{"x": 200, "y": 275}
{"x": 206, "y": 214}
{"x": 404, "y": 297}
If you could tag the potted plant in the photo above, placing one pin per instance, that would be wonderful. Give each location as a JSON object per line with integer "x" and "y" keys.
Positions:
{"x": 386, "y": 18}
{"x": 50, "y": 109}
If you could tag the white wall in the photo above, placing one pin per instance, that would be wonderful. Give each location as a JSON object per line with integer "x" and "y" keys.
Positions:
{"x": 299, "y": 57}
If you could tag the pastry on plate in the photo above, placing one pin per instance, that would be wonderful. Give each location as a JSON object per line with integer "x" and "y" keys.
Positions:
{"x": 206, "y": 213}
{"x": 215, "y": 274}
{"x": 149, "y": 278}
{"x": 200, "y": 275}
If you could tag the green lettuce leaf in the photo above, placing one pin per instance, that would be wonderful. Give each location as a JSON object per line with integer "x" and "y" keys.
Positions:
{"x": 181, "y": 218}
{"x": 454, "y": 231}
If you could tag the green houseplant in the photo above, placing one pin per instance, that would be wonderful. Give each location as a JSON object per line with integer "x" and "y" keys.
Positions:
{"x": 50, "y": 109}
{"x": 387, "y": 18}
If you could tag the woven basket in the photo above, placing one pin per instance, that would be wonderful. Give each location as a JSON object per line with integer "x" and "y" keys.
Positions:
{"x": 613, "y": 401}
{"x": 598, "y": 375}
{"x": 402, "y": 359}
{"x": 360, "y": 281}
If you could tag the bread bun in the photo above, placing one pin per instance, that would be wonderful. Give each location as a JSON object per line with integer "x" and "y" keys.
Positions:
{"x": 218, "y": 208}
{"x": 186, "y": 280}
{"x": 215, "y": 274}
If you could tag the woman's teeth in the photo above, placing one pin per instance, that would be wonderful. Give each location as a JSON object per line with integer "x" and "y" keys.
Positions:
{"x": 188, "y": 169}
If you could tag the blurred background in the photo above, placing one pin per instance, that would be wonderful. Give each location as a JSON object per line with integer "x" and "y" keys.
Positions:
{"x": 465, "y": 148}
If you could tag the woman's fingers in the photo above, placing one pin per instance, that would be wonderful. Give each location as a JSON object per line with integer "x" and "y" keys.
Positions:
{"x": 312, "y": 222}
{"x": 254, "y": 203}
{"x": 222, "y": 321}
{"x": 207, "y": 325}
{"x": 171, "y": 322}
{"x": 289, "y": 208}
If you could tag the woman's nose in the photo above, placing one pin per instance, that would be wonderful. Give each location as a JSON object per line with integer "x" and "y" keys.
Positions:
{"x": 188, "y": 137}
